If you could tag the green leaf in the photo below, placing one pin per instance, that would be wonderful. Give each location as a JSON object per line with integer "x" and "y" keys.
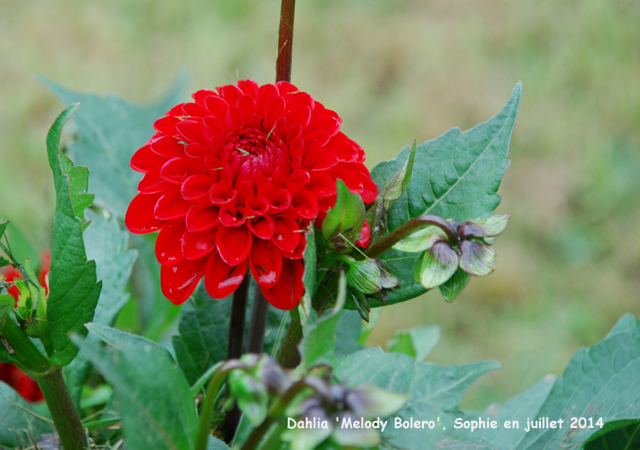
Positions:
{"x": 436, "y": 265}
{"x": 216, "y": 444}
{"x": 623, "y": 434}
{"x": 455, "y": 176}
{"x": 154, "y": 399}
{"x": 392, "y": 191}
{"x": 7, "y": 303}
{"x": 454, "y": 286}
{"x": 107, "y": 245}
{"x": 20, "y": 425}
{"x": 73, "y": 290}
{"x": 599, "y": 382}
{"x": 3, "y": 227}
{"x": 468, "y": 444}
{"x": 434, "y": 391}
{"x": 310, "y": 263}
{"x": 348, "y": 334}
{"x": 203, "y": 334}
{"x": 476, "y": 258}
{"x": 344, "y": 220}
{"x": 417, "y": 342}
{"x": 121, "y": 339}
{"x": 109, "y": 131}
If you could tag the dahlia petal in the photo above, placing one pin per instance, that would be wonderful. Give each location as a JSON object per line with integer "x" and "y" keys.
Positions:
{"x": 168, "y": 250}
{"x": 220, "y": 278}
{"x": 166, "y": 125}
{"x": 298, "y": 115}
{"x": 176, "y": 110}
{"x": 298, "y": 253}
{"x": 196, "y": 186}
{"x": 249, "y": 87}
{"x": 193, "y": 110}
{"x": 369, "y": 188}
{"x": 196, "y": 150}
{"x": 305, "y": 204}
{"x": 265, "y": 263}
{"x": 213, "y": 127}
{"x": 233, "y": 120}
{"x": 265, "y": 93}
{"x": 167, "y": 146}
{"x": 151, "y": 183}
{"x": 202, "y": 216}
{"x": 232, "y": 216}
{"x": 294, "y": 132}
{"x": 247, "y": 107}
{"x": 177, "y": 170}
{"x": 286, "y": 236}
{"x": 365, "y": 235}
{"x": 350, "y": 179}
{"x": 171, "y": 206}
{"x": 257, "y": 206}
{"x": 279, "y": 201}
{"x": 280, "y": 127}
{"x": 223, "y": 195}
{"x": 297, "y": 180}
{"x": 325, "y": 122}
{"x": 322, "y": 185}
{"x": 180, "y": 280}
{"x": 275, "y": 108}
{"x": 216, "y": 106}
{"x": 315, "y": 140}
{"x": 234, "y": 244}
{"x": 145, "y": 160}
{"x": 201, "y": 96}
{"x": 198, "y": 245}
{"x": 284, "y": 87}
{"x": 262, "y": 226}
{"x": 191, "y": 131}
{"x": 320, "y": 160}
{"x": 140, "y": 217}
{"x": 245, "y": 193}
{"x": 289, "y": 289}
{"x": 230, "y": 93}
{"x": 300, "y": 98}
{"x": 344, "y": 150}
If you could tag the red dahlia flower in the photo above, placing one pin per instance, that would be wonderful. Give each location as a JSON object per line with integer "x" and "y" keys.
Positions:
{"x": 234, "y": 179}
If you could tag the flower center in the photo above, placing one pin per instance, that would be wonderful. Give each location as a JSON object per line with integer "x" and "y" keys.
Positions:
{"x": 253, "y": 149}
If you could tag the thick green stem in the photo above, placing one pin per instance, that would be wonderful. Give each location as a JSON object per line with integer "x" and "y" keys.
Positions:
{"x": 407, "y": 229}
{"x": 24, "y": 351}
{"x": 289, "y": 357}
{"x": 64, "y": 414}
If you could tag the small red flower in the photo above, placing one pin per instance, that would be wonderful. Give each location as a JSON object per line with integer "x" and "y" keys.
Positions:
{"x": 233, "y": 180}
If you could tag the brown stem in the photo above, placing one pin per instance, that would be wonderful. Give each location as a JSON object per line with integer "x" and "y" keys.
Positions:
{"x": 285, "y": 40}
{"x": 407, "y": 229}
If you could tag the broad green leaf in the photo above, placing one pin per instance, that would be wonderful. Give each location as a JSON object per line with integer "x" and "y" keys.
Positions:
{"x": 344, "y": 220}
{"x": 109, "y": 131}
{"x": 454, "y": 286}
{"x": 20, "y": 426}
{"x": 73, "y": 286}
{"x": 417, "y": 342}
{"x": 216, "y": 444}
{"x": 348, "y": 334}
{"x": 121, "y": 339}
{"x": 455, "y": 176}
{"x": 623, "y": 434}
{"x": 154, "y": 399}
{"x": 203, "y": 334}
{"x": 107, "y": 245}
{"x": 434, "y": 391}
{"x": 600, "y": 382}
{"x": 468, "y": 444}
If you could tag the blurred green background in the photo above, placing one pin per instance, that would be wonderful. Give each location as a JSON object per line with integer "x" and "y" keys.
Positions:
{"x": 569, "y": 263}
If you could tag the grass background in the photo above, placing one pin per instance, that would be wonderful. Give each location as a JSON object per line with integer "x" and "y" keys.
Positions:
{"x": 569, "y": 263}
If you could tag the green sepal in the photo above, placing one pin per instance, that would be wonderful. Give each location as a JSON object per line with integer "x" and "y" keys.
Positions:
{"x": 436, "y": 265}
{"x": 344, "y": 220}
{"x": 3, "y": 227}
{"x": 4, "y": 262}
{"x": 476, "y": 258}
{"x": 421, "y": 240}
{"x": 454, "y": 286}
{"x": 487, "y": 228}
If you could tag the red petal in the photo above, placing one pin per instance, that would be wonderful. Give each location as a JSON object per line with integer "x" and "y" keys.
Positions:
{"x": 289, "y": 289}
{"x": 230, "y": 93}
{"x": 197, "y": 245}
{"x": 343, "y": 149}
{"x": 365, "y": 235}
{"x": 298, "y": 253}
{"x": 263, "y": 227}
{"x": 284, "y": 87}
{"x": 171, "y": 206}
{"x": 305, "y": 204}
{"x": 191, "y": 131}
{"x": 325, "y": 122}
{"x": 280, "y": 201}
{"x": 299, "y": 115}
{"x": 217, "y": 106}
{"x": 151, "y": 183}
{"x": 369, "y": 188}
{"x": 168, "y": 244}
{"x": 166, "y": 125}
{"x": 221, "y": 194}
{"x": 167, "y": 146}
{"x": 320, "y": 160}
{"x": 265, "y": 263}
{"x": 257, "y": 206}
{"x": 249, "y": 87}
{"x": 177, "y": 170}
{"x": 193, "y": 110}
{"x": 265, "y": 93}
{"x": 234, "y": 244}
{"x": 196, "y": 187}
{"x": 275, "y": 108}
{"x": 350, "y": 179}
{"x": 221, "y": 279}
{"x": 180, "y": 280}
{"x": 201, "y": 96}
{"x": 232, "y": 216}
{"x": 145, "y": 160}
{"x": 322, "y": 185}
{"x": 247, "y": 107}
{"x": 297, "y": 180}
{"x": 196, "y": 150}
{"x": 140, "y": 217}
{"x": 316, "y": 140}
{"x": 286, "y": 236}
{"x": 202, "y": 216}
